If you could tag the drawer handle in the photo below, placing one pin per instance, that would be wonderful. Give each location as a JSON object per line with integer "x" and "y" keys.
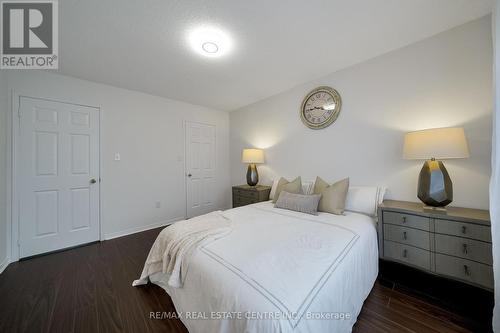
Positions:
{"x": 464, "y": 248}
{"x": 405, "y": 253}
{"x": 404, "y": 219}
{"x": 405, "y": 237}
{"x": 464, "y": 229}
{"x": 466, "y": 270}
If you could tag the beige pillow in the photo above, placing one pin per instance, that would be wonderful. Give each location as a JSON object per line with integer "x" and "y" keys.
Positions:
{"x": 332, "y": 196}
{"x": 294, "y": 186}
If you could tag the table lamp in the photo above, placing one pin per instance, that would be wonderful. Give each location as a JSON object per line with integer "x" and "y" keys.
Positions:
{"x": 435, "y": 188}
{"x": 252, "y": 157}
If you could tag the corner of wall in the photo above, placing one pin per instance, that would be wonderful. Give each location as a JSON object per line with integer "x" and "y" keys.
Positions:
{"x": 4, "y": 130}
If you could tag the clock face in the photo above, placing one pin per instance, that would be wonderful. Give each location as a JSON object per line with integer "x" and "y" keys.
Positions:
{"x": 320, "y": 107}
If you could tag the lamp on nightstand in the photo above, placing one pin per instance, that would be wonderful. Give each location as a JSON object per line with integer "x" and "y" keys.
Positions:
{"x": 252, "y": 157}
{"x": 435, "y": 188}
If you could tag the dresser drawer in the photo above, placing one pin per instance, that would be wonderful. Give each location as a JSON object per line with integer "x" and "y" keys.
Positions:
{"x": 464, "y": 248}
{"x": 408, "y": 236}
{"x": 407, "y": 220}
{"x": 407, "y": 254}
{"x": 246, "y": 194}
{"x": 465, "y": 270}
{"x": 242, "y": 201}
{"x": 462, "y": 229}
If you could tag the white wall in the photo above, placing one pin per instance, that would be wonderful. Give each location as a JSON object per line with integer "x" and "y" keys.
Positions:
{"x": 442, "y": 81}
{"x": 495, "y": 177}
{"x": 3, "y": 164}
{"x": 148, "y": 133}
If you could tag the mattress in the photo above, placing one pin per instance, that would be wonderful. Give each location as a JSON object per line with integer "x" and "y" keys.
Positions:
{"x": 279, "y": 271}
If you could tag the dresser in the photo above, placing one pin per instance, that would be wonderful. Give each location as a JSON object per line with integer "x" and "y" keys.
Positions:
{"x": 455, "y": 244}
{"x": 246, "y": 195}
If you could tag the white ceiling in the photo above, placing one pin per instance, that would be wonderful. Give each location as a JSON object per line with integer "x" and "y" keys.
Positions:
{"x": 142, "y": 45}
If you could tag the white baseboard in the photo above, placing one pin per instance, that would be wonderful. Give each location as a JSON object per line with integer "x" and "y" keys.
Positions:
{"x": 134, "y": 230}
{"x": 4, "y": 264}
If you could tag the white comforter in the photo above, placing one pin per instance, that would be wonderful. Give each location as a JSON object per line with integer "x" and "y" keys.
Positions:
{"x": 279, "y": 271}
{"x": 173, "y": 247}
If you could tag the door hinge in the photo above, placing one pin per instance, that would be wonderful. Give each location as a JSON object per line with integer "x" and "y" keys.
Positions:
{"x": 19, "y": 113}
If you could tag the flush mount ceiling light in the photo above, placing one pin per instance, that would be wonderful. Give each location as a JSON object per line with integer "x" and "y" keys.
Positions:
{"x": 210, "y": 47}
{"x": 209, "y": 42}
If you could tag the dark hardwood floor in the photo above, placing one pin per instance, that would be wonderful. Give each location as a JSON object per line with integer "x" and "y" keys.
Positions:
{"x": 88, "y": 289}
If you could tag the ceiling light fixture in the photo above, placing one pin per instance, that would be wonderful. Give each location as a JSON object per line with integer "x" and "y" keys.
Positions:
{"x": 209, "y": 42}
{"x": 210, "y": 47}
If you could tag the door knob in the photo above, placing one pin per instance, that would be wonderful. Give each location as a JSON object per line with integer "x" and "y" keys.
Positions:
{"x": 189, "y": 175}
{"x": 93, "y": 181}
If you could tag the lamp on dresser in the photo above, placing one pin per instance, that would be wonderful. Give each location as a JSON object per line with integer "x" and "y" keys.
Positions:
{"x": 252, "y": 157}
{"x": 435, "y": 188}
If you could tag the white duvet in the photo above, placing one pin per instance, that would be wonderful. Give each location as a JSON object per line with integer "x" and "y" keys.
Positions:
{"x": 172, "y": 248}
{"x": 279, "y": 271}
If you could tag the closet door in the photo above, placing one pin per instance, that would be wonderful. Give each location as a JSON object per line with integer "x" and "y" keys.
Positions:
{"x": 200, "y": 168}
{"x": 58, "y": 175}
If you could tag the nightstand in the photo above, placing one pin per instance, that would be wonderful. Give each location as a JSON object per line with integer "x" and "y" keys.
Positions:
{"x": 246, "y": 195}
{"x": 455, "y": 244}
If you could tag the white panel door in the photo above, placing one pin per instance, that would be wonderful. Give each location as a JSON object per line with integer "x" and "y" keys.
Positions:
{"x": 57, "y": 175}
{"x": 200, "y": 168}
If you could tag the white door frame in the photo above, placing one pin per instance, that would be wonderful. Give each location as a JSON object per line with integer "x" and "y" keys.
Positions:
{"x": 185, "y": 158}
{"x": 14, "y": 233}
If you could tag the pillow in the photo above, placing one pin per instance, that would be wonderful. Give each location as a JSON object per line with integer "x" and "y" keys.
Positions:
{"x": 299, "y": 202}
{"x": 364, "y": 199}
{"x": 294, "y": 186}
{"x": 307, "y": 187}
{"x": 333, "y": 196}
{"x": 273, "y": 188}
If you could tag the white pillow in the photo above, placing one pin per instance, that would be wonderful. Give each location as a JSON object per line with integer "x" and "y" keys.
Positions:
{"x": 364, "y": 199}
{"x": 307, "y": 187}
{"x": 273, "y": 188}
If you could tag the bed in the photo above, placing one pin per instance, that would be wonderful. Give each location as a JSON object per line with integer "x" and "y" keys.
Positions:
{"x": 279, "y": 271}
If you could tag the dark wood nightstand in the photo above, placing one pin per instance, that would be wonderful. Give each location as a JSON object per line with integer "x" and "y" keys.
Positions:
{"x": 455, "y": 244}
{"x": 246, "y": 195}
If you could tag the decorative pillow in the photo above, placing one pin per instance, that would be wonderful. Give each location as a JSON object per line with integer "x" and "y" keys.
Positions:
{"x": 307, "y": 187}
{"x": 364, "y": 199}
{"x": 299, "y": 202}
{"x": 294, "y": 186}
{"x": 333, "y": 196}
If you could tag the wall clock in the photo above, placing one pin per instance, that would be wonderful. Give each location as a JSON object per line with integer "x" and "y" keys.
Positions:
{"x": 320, "y": 107}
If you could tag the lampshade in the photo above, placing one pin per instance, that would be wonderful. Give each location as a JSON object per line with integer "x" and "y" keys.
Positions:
{"x": 252, "y": 156}
{"x": 438, "y": 143}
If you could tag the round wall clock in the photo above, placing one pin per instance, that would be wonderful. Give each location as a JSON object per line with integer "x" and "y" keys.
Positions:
{"x": 320, "y": 107}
